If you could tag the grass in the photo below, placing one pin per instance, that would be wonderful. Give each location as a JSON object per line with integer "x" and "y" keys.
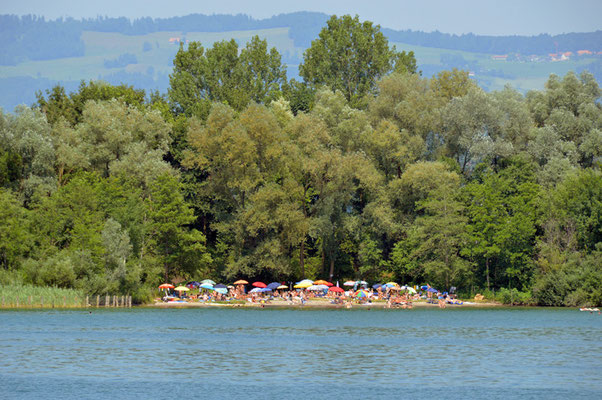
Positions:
{"x": 17, "y": 295}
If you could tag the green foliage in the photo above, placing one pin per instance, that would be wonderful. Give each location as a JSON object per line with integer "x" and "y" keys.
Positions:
{"x": 350, "y": 56}
{"x": 226, "y": 75}
{"x": 15, "y": 237}
{"x": 577, "y": 202}
{"x": 58, "y": 105}
{"x": 513, "y": 297}
{"x": 577, "y": 282}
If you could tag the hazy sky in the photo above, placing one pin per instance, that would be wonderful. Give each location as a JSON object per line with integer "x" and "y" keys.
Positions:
{"x": 486, "y": 17}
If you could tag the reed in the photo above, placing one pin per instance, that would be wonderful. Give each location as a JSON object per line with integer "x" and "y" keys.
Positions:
{"x": 24, "y": 296}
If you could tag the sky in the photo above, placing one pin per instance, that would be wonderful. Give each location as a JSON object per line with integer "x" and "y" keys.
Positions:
{"x": 482, "y": 17}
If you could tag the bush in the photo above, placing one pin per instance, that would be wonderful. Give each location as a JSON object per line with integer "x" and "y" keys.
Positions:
{"x": 513, "y": 297}
{"x": 577, "y": 282}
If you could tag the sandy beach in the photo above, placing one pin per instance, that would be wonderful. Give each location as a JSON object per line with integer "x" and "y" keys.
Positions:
{"x": 312, "y": 303}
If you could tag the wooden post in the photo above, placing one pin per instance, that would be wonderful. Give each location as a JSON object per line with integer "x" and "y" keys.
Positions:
{"x": 122, "y": 301}
{"x": 114, "y": 301}
{"x": 130, "y": 301}
{"x": 97, "y": 300}
{"x": 64, "y": 301}
{"x": 87, "y": 303}
{"x": 107, "y": 301}
{"x": 29, "y": 300}
{"x": 53, "y": 302}
{"x": 42, "y": 301}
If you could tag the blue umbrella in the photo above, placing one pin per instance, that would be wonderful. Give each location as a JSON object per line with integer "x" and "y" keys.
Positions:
{"x": 265, "y": 289}
{"x": 273, "y": 285}
{"x": 193, "y": 284}
{"x": 376, "y": 285}
{"x": 432, "y": 290}
{"x": 206, "y": 286}
{"x": 220, "y": 286}
{"x": 222, "y": 290}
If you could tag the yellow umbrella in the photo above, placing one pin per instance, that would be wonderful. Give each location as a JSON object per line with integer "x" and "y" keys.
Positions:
{"x": 282, "y": 287}
{"x": 241, "y": 282}
{"x": 303, "y": 285}
{"x": 182, "y": 289}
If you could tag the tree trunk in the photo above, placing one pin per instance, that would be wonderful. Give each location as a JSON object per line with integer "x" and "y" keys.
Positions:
{"x": 302, "y": 257}
{"x": 331, "y": 272}
{"x": 487, "y": 271}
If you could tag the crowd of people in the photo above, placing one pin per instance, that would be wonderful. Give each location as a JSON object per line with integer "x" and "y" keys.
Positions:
{"x": 393, "y": 296}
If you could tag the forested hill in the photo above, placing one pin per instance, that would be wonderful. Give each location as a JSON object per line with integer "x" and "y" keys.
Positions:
{"x": 35, "y": 38}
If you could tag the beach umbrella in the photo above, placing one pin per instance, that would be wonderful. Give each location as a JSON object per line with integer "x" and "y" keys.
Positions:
{"x": 221, "y": 290}
{"x": 274, "y": 285}
{"x": 392, "y": 283}
{"x": 349, "y": 283}
{"x": 409, "y": 289}
{"x": 432, "y": 290}
{"x": 318, "y": 287}
{"x": 361, "y": 282}
{"x": 322, "y": 282}
{"x": 282, "y": 287}
{"x": 304, "y": 281}
{"x": 259, "y": 284}
{"x": 181, "y": 289}
{"x": 220, "y": 286}
{"x": 209, "y": 281}
{"x": 241, "y": 282}
{"x": 206, "y": 286}
{"x": 361, "y": 293}
{"x": 377, "y": 285}
{"x": 166, "y": 286}
{"x": 302, "y": 285}
{"x": 265, "y": 289}
{"x": 336, "y": 289}
{"x": 255, "y": 290}
{"x": 193, "y": 284}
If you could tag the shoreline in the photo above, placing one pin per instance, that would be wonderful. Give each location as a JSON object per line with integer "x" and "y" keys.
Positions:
{"x": 313, "y": 304}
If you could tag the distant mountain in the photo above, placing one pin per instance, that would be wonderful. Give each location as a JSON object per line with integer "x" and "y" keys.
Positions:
{"x": 36, "y": 53}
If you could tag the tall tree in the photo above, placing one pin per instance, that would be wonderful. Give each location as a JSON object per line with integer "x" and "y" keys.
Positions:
{"x": 350, "y": 56}
{"x": 223, "y": 74}
{"x": 181, "y": 251}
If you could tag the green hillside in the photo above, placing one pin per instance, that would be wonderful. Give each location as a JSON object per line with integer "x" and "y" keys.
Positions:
{"x": 493, "y": 74}
{"x": 145, "y": 61}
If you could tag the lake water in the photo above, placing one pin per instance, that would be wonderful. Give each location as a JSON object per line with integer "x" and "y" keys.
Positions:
{"x": 289, "y": 353}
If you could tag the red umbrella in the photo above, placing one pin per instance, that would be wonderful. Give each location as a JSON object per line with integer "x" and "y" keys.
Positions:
{"x": 259, "y": 284}
{"x": 322, "y": 282}
{"x": 166, "y": 286}
{"x": 336, "y": 289}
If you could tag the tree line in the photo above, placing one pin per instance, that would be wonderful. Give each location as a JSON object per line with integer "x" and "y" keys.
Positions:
{"x": 364, "y": 169}
{"x": 34, "y": 38}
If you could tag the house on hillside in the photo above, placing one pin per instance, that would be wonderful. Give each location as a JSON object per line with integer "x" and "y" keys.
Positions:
{"x": 501, "y": 57}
